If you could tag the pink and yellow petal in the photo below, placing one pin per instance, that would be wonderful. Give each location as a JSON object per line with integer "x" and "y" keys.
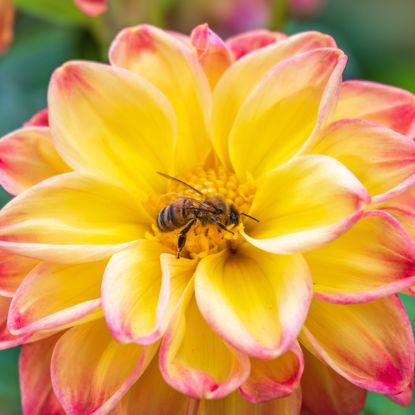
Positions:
{"x": 141, "y": 290}
{"x": 248, "y": 42}
{"x": 379, "y": 157}
{"x": 34, "y": 375}
{"x": 237, "y": 289}
{"x": 274, "y": 379}
{"x": 152, "y": 395}
{"x": 53, "y": 296}
{"x": 242, "y": 77}
{"x": 405, "y": 397}
{"x": 13, "y": 269}
{"x": 370, "y": 344}
{"x": 308, "y": 81}
{"x": 112, "y": 123}
{"x": 194, "y": 360}
{"x": 7, "y": 339}
{"x": 173, "y": 68}
{"x": 71, "y": 218}
{"x": 91, "y": 372}
{"x": 388, "y": 106}
{"x": 234, "y": 404}
{"x": 28, "y": 156}
{"x": 326, "y": 392}
{"x": 213, "y": 53}
{"x": 318, "y": 200}
{"x": 375, "y": 258}
{"x": 92, "y": 8}
{"x": 40, "y": 119}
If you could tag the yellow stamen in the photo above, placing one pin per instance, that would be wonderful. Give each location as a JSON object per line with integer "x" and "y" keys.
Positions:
{"x": 208, "y": 238}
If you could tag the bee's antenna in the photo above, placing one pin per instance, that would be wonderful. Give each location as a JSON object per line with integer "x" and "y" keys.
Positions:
{"x": 179, "y": 181}
{"x": 249, "y": 216}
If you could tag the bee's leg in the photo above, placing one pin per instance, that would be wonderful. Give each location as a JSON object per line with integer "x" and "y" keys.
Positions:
{"x": 221, "y": 225}
{"x": 182, "y": 237}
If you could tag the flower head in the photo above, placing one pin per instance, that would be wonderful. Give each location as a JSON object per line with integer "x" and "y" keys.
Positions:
{"x": 202, "y": 221}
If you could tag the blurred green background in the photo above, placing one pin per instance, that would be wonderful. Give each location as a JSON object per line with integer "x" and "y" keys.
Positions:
{"x": 377, "y": 35}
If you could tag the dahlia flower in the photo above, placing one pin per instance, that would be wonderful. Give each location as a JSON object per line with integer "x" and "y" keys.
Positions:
{"x": 294, "y": 308}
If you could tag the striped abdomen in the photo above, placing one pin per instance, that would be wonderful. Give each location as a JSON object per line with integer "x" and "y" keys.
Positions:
{"x": 175, "y": 215}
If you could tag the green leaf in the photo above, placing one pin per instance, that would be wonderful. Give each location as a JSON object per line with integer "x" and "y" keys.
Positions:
{"x": 64, "y": 11}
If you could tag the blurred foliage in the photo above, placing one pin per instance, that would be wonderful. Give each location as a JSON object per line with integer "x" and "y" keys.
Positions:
{"x": 377, "y": 35}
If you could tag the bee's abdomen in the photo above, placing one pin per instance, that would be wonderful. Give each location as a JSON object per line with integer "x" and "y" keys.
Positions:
{"x": 170, "y": 218}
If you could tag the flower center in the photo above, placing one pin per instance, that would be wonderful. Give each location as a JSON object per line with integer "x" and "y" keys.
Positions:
{"x": 201, "y": 212}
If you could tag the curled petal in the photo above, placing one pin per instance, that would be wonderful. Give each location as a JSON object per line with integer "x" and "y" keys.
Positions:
{"x": 274, "y": 379}
{"x": 326, "y": 392}
{"x": 241, "y": 78}
{"x": 214, "y": 55}
{"x": 8, "y": 340}
{"x": 320, "y": 200}
{"x": 27, "y": 157}
{"x": 91, "y": 372}
{"x": 248, "y": 42}
{"x": 371, "y": 344}
{"x": 379, "y": 157}
{"x": 404, "y": 398}
{"x": 194, "y": 360}
{"x": 34, "y": 375}
{"x": 236, "y": 290}
{"x": 92, "y": 7}
{"x": 40, "y": 119}
{"x": 375, "y": 258}
{"x": 13, "y": 269}
{"x": 234, "y": 404}
{"x": 174, "y": 69}
{"x": 110, "y": 122}
{"x": 53, "y": 296}
{"x": 308, "y": 81}
{"x": 71, "y": 218}
{"x": 389, "y": 106}
{"x": 140, "y": 295}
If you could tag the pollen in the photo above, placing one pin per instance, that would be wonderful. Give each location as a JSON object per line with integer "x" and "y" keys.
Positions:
{"x": 203, "y": 237}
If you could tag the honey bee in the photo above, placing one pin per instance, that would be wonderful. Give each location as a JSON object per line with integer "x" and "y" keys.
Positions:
{"x": 186, "y": 211}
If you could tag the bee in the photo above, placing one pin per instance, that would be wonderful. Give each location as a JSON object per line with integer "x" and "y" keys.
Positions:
{"x": 186, "y": 211}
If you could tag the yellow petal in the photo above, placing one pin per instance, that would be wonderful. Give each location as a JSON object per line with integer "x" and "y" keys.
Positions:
{"x": 235, "y": 405}
{"x": 27, "y": 157}
{"x": 13, "y": 269}
{"x": 53, "y": 296}
{"x": 173, "y": 68}
{"x": 379, "y": 157}
{"x": 236, "y": 84}
{"x": 304, "y": 204}
{"x": 71, "y": 218}
{"x": 110, "y": 122}
{"x": 236, "y": 290}
{"x": 274, "y": 379}
{"x": 141, "y": 291}
{"x": 34, "y": 376}
{"x": 194, "y": 360}
{"x": 91, "y": 372}
{"x": 325, "y": 391}
{"x": 370, "y": 344}
{"x": 284, "y": 111}
{"x": 389, "y": 106}
{"x": 375, "y": 258}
